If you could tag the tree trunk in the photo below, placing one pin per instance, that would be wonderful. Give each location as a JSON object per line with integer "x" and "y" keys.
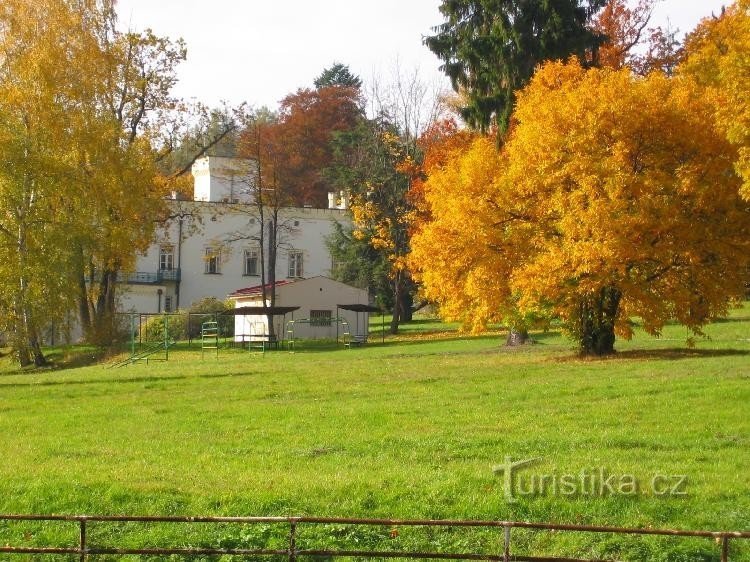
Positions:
{"x": 397, "y": 292}
{"x": 36, "y": 350}
{"x": 598, "y": 315}
{"x": 272, "y": 254}
{"x": 407, "y": 302}
{"x": 24, "y": 357}
{"x": 517, "y": 336}
{"x": 27, "y": 341}
{"x": 28, "y": 344}
{"x": 84, "y": 309}
{"x": 103, "y": 332}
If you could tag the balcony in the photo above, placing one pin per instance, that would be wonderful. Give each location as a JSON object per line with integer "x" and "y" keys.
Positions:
{"x": 149, "y": 278}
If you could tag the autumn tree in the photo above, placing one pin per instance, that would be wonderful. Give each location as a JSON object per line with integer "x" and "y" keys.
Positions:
{"x": 377, "y": 164}
{"x": 629, "y": 41}
{"x": 81, "y": 129}
{"x": 437, "y": 144}
{"x": 624, "y": 212}
{"x": 373, "y": 166}
{"x": 56, "y": 171}
{"x": 268, "y": 186}
{"x": 308, "y": 121}
{"x": 490, "y": 48}
{"x": 718, "y": 60}
{"x": 137, "y": 75}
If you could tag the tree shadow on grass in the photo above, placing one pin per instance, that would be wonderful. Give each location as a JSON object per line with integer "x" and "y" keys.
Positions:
{"x": 412, "y": 342}
{"x": 115, "y": 380}
{"x": 674, "y": 353}
{"x": 667, "y": 353}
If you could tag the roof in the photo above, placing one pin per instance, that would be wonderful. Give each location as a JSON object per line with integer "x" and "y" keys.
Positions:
{"x": 359, "y": 307}
{"x": 260, "y": 311}
{"x": 257, "y": 290}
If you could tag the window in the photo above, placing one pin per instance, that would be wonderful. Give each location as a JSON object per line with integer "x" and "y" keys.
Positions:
{"x": 213, "y": 261}
{"x": 320, "y": 318}
{"x": 251, "y": 262}
{"x": 295, "y": 264}
{"x": 166, "y": 258}
{"x": 168, "y": 303}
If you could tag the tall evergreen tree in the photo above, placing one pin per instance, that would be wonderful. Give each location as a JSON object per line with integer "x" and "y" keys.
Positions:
{"x": 490, "y": 48}
{"x": 338, "y": 75}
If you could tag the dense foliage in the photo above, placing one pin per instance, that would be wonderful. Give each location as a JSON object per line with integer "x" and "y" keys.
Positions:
{"x": 603, "y": 206}
{"x": 490, "y": 48}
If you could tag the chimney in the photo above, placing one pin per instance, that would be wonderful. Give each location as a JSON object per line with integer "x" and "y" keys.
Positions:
{"x": 331, "y": 200}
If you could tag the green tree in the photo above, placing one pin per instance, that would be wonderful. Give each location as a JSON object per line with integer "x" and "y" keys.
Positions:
{"x": 377, "y": 164}
{"x": 357, "y": 263}
{"x": 338, "y": 75}
{"x": 373, "y": 167}
{"x": 490, "y": 48}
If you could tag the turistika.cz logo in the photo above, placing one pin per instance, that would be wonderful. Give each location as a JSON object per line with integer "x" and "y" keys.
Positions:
{"x": 589, "y": 482}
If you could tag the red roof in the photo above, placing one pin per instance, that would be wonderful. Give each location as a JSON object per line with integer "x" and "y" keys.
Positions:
{"x": 257, "y": 290}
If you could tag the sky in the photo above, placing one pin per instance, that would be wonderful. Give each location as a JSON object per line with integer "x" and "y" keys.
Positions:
{"x": 258, "y": 52}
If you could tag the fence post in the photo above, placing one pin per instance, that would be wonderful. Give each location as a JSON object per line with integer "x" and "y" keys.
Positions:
{"x": 506, "y": 546}
{"x": 724, "y": 548}
{"x": 82, "y": 546}
{"x": 292, "y": 541}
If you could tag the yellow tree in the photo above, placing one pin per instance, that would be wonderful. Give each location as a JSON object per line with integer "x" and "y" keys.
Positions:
{"x": 718, "y": 59}
{"x": 132, "y": 100}
{"x": 623, "y": 211}
{"x": 76, "y": 162}
{"x": 465, "y": 253}
{"x": 44, "y": 107}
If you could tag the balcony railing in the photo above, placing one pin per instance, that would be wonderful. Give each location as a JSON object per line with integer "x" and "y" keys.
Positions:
{"x": 151, "y": 278}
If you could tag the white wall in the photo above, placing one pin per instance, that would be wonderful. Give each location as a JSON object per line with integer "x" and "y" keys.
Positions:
{"x": 317, "y": 293}
{"x": 142, "y": 298}
{"x": 223, "y": 179}
{"x": 213, "y": 224}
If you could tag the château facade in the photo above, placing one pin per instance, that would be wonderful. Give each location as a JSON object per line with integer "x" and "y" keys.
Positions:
{"x": 210, "y": 247}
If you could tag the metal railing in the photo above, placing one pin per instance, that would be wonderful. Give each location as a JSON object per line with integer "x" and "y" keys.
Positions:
{"x": 293, "y": 551}
{"x": 150, "y": 278}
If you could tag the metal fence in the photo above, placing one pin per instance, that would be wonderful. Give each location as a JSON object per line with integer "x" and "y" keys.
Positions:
{"x": 84, "y": 551}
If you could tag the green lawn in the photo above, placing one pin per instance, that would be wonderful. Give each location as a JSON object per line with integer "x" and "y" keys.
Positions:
{"x": 411, "y": 429}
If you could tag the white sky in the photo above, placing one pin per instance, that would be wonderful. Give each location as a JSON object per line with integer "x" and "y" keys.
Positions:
{"x": 258, "y": 52}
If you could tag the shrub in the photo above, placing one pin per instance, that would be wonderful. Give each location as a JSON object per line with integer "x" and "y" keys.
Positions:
{"x": 152, "y": 330}
{"x": 208, "y": 309}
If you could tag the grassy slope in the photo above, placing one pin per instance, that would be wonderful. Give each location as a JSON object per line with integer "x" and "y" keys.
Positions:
{"x": 405, "y": 429}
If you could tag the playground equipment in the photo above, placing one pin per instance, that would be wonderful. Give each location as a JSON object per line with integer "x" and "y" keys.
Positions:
{"x": 209, "y": 337}
{"x": 362, "y": 325}
{"x": 342, "y": 323}
{"x": 147, "y": 353}
{"x": 256, "y": 333}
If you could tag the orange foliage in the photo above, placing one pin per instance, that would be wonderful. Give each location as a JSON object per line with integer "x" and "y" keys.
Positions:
{"x": 308, "y": 120}
{"x": 626, "y": 29}
{"x": 603, "y": 202}
{"x": 437, "y": 143}
{"x": 718, "y": 60}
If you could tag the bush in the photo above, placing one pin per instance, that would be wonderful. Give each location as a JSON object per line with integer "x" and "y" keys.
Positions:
{"x": 152, "y": 330}
{"x": 206, "y": 310}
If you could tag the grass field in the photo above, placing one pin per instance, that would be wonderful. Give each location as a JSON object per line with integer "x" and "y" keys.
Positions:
{"x": 411, "y": 428}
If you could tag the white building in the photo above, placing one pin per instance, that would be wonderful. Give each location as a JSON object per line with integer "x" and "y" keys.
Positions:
{"x": 318, "y": 315}
{"x": 211, "y": 245}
